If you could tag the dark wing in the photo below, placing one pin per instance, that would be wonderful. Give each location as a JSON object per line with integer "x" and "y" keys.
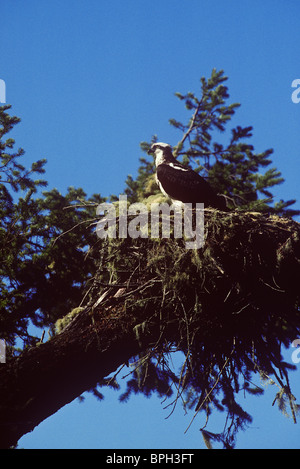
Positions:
{"x": 187, "y": 186}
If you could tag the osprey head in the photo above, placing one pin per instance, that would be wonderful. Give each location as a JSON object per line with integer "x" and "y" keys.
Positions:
{"x": 162, "y": 152}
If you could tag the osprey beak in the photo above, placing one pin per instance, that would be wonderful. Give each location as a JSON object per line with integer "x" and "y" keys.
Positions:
{"x": 150, "y": 151}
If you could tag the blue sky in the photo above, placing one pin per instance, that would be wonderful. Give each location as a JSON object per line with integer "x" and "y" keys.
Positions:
{"x": 90, "y": 80}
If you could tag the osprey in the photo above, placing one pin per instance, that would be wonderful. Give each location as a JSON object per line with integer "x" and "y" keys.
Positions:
{"x": 180, "y": 183}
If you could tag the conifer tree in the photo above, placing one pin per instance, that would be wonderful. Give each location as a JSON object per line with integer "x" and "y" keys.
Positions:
{"x": 233, "y": 169}
{"x": 42, "y": 273}
{"x": 228, "y": 307}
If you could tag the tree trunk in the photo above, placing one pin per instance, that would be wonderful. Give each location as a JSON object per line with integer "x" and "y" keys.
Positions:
{"x": 45, "y": 378}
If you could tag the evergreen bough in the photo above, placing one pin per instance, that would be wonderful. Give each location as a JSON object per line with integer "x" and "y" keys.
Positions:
{"x": 228, "y": 307}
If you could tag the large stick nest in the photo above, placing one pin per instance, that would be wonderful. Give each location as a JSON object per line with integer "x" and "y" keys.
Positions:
{"x": 228, "y": 306}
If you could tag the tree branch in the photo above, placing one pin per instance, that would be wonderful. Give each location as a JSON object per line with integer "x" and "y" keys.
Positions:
{"x": 191, "y": 127}
{"x": 43, "y": 379}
